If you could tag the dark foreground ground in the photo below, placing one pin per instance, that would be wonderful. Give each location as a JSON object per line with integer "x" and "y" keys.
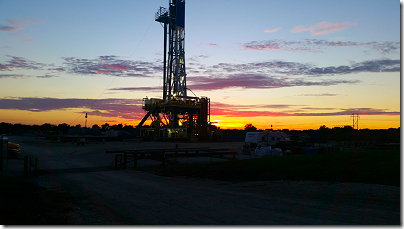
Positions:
{"x": 24, "y": 203}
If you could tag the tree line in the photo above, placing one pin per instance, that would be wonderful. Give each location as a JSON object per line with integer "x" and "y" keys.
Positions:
{"x": 8, "y": 128}
{"x": 323, "y": 134}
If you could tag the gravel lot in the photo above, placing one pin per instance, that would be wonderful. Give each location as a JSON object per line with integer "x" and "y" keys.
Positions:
{"x": 89, "y": 192}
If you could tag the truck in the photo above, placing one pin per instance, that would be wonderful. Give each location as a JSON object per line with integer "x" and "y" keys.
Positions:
{"x": 264, "y": 138}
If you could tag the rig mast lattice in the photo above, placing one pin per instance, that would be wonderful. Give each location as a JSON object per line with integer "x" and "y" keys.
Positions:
{"x": 176, "y": 115}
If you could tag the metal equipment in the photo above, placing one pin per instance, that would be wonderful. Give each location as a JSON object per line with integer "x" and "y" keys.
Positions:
{"x": 177, "y": 115}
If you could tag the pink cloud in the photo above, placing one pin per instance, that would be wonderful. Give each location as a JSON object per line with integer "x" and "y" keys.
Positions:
{"x": 271, "y": 30}
{"x": 100, "y": 71}
{"x": 29, "y": 41}
{"x": 18, "y": 24}
{"x": 116, "y": 66}
{"x": 323, "y": 28}
{"x": 6, "y": 47}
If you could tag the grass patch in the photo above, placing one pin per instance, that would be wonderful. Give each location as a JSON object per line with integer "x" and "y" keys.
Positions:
{"x": 373, "y": 167}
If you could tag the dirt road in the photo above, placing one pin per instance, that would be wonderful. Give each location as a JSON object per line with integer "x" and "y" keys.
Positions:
{"x": 97, "y": 194}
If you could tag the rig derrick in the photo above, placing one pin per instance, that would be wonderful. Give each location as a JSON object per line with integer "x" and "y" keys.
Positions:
{"x": 177, "y": 115}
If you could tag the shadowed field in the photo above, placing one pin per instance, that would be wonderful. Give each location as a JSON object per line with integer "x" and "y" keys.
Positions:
{"x": 372, "y": 167}
{"x": 27, "y": 204}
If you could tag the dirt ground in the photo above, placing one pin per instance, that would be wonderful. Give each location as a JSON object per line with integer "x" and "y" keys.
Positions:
{"x": 78, "y": 186}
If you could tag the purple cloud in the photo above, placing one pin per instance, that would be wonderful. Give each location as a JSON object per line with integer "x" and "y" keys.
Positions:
{"x": 136, "y": 89}
{"x": 17, "y": 24}
{"x": 132, "y": 108}
{"x": 125, "y": 108}
{"x": 318, "y": 46}
{"x": 20, "y": 63}
{"x": 256, "y": 81}
{"x": 112, "y": 65}
{"x": 218, "y": 108}
{"x": 8, "y": 28}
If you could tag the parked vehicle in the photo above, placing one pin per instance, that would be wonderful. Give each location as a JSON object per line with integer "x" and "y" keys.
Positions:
{"x": 13, "y": 149}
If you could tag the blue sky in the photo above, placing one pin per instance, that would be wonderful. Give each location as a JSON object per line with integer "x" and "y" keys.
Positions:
{"x": 294, "y": 64}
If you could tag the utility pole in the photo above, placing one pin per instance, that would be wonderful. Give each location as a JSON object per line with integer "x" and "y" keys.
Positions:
{"x": 85, "y": 125}
{"x": 355, "y": 119}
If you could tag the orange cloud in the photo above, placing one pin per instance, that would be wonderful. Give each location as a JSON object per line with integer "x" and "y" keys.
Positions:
{"x": 271, "y": 30}
{"x": 323, "y": 28}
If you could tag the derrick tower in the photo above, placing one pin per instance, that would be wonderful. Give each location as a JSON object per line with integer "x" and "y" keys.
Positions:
{"x": 176, "y": 115}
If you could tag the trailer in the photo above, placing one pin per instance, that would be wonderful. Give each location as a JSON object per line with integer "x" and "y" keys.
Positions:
{"x": 263, "y": 139}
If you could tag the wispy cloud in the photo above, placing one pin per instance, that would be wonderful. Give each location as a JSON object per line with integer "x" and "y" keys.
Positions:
{"x": 13, "y": 76}
{"x": 256, "y": 81}
{"x": 136, "y": 89}
{"x": 271, "y": 30}
{"x": 46, "y": 76}
{"x": 29, "y": 41}
{"x": 20, "y": 63}
{"x": 6, "y": 47}
{"x": 286, "y": 69}
{"x": 8, "y": 28}
{"x": 323, "y": 28}
{"x": 18, "y": 24}
{"x": 124, "y": 108}
{"x": 318, "y": 45}
{"x": 209, "y": 44}
{"x": 323, "y": 94}
{"x": 276, "y": 110}
{"x": 111, "y": 65}
{"x": 131, "y": 109}
{"x": 274, "y": 74}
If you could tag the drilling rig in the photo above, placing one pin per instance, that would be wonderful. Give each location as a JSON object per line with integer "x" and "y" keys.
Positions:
{"x": 176, "y": 115}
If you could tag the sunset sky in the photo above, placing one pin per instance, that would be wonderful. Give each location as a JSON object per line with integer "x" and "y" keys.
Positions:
{"x": 295, "y": 64}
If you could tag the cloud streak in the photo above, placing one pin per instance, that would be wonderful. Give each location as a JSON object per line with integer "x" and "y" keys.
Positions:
{"x": 323, "y": 28}
{"x": 17, "y": 24}
{"x": 20, "y": 63}
{"x": 131, "y": 109}
{"x": 319, "y": 45}
{"x": 254, "y": 75}
{"x": 287, "y": 110}
{"x": 111, "y": 65}
{"x": 256, "y": 81}
{"x": 274, "y": 74}
{"x": 124, "y": 108}
{"x": 272, "y": 30}
{"x": 209, "y": 44}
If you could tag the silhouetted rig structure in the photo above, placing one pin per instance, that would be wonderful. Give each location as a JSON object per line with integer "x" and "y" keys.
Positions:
{"x": 177, "y": 115}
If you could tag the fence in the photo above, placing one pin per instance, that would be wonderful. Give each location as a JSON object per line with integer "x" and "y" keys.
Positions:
{"x": 29, "y": 164}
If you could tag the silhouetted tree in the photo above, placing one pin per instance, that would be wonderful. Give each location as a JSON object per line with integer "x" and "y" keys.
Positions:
{"x": 249, "y": 127}
{"x": 117, "y": 127}
{"x": 105, "y": 127}
{"x": 63, "y": 128}
{"x": 128, "y": 128}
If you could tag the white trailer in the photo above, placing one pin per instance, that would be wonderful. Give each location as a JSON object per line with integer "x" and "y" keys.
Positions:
{"x": 264, "y": 138}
